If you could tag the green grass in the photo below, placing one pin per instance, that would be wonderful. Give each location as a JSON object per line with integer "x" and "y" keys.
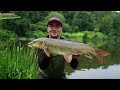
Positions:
{"x": 18, "y": 63}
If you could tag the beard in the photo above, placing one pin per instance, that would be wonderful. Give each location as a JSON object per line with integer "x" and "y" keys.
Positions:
{"x": 54, "y": 34}
{"x": 55, "y": 37}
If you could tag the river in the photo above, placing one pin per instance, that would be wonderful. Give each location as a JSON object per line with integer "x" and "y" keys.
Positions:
{"x": 112, "y": 72}
{"x": 109, "y": 70}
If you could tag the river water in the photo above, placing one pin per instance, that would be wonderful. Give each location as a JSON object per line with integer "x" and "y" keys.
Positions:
{"x": 109, "y": 70}
{"x": 112, "y": 72}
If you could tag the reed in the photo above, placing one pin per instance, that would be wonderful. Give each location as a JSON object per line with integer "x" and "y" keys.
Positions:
{"x": 18, "y": 63}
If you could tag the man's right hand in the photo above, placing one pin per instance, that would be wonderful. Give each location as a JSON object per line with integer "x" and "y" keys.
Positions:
{"x": 47, "y": 52}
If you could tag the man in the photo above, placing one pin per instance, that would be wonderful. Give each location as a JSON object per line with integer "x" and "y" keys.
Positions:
{"x": 53, "y": 66}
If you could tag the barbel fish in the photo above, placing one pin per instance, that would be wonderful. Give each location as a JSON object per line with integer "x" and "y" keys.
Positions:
{"x": 65, "y": 47}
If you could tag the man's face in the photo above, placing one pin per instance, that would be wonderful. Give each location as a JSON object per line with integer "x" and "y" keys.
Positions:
{"x": 54, "y": 29}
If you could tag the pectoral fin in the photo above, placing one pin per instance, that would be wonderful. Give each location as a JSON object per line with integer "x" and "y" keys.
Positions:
{"x": 47, "y": 52}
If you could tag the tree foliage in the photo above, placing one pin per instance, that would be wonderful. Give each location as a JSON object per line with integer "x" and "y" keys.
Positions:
{"x": 107, "y": 22}
{"x": 83, "y": 21}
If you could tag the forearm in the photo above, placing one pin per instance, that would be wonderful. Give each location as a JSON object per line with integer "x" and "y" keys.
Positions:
{"x": 43, "y": 60}
{"x": 74, "y": 63}
{"x": 71, "y": 60}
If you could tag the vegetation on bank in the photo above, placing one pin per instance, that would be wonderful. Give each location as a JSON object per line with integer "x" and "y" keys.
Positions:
{"x": 18, "y": 63}
{"x": 106, "y": 22}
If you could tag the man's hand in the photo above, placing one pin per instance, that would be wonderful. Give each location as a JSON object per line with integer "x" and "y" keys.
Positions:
{"x": 68, "y": 58}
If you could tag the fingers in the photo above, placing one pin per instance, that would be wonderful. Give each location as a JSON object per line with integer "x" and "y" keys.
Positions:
{"x": 80, "y": 54}
{"x": 68, "y": 58}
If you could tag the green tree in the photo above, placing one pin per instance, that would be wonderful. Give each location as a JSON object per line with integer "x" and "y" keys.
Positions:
{"x": 34, "y": 16}
{"x": 69, "y": 15}
{"x": 106, "y": 22}
{"x": 83, "y": 20}
{"x": 23, "y": 26}
{"x": 116, "y": 25}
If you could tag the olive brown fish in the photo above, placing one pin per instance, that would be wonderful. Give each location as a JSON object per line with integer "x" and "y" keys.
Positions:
{"x": 64, "y": 47}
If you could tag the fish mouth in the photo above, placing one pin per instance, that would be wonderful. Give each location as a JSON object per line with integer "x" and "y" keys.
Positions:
{"x": 29, "y": 45}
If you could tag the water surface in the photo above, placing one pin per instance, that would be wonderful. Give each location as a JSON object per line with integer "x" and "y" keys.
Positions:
{"x": 90, "y": 69}
{"x": 112, "y": 72}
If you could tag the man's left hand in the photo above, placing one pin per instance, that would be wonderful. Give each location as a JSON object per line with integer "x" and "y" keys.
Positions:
{"x": 68, "y": 58}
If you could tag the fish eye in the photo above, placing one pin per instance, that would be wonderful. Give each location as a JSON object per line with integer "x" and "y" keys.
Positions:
{"x": 34, "y": 41}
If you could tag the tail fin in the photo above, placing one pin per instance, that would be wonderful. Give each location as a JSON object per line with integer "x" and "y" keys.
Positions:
{"x": 100, "y": 54}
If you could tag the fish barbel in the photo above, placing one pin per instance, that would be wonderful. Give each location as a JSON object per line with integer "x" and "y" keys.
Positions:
{"x": 64, "y": 47}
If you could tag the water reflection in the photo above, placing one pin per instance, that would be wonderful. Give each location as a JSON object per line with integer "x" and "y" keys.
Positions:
{"x": 112, "y": 72}
{"x": 90, "y": 69}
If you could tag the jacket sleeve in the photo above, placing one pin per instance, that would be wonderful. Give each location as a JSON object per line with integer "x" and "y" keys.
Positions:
{"x": 74, "y": 63}
{"x": 43, "y": 59}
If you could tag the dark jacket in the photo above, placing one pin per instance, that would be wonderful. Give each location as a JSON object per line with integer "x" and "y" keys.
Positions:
{"x": 53, "y": 67}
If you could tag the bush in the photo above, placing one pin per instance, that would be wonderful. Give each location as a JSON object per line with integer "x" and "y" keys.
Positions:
{"x": 7, "y": 35}
{"x": 36, "y": 34}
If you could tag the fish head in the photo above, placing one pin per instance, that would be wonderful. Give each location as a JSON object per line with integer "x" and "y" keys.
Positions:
{"x": 36, "y": 44}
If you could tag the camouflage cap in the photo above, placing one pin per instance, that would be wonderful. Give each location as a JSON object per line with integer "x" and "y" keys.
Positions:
{"x": 54, "y": 19}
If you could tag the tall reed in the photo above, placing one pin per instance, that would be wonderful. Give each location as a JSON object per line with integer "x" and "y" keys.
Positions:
{"x": 18, "y": 63}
